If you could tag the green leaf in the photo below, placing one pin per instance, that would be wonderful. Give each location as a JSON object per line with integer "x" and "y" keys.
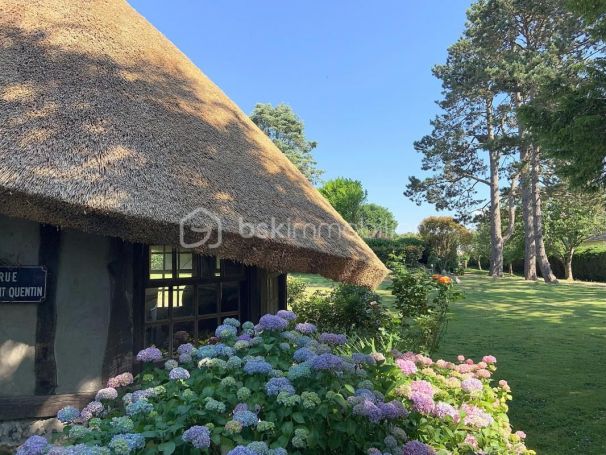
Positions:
{"x": 167, "y": 448}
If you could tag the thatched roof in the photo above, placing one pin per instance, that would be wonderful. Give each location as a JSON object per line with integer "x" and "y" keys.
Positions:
{"x": 106, "y": 127}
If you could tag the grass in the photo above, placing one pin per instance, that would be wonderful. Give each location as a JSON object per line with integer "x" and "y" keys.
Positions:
{"x": 550, "y": 344}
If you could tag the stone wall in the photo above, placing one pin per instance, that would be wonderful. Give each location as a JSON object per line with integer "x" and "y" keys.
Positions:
{"x": 13, "y": 433}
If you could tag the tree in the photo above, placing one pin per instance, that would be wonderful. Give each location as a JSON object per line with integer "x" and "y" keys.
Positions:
{"x": 443, "y": 236}
{"x": 567, "y": 115}
{"x": 287, "y": 132}
{"x": 529, "y": 41}
{"x": 571, "y": 219}
{"x": 376, "y": 221}
{"x": 347, "y": 196}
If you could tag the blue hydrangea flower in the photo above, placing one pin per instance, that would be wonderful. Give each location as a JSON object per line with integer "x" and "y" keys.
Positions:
{"x": 226, "y": 331}
{"x": 34, "y": 445}
{"x": 79, "y": 449}
{"x": 392, "y": 410}
{"x": 122, "y": 424}
{"x": 303, "y": 354}
{"x": 139, "y": 407}
{"x": 170, "y": 364}
{"x": 363, "y": 359}
{"x": 133, "y": 441}
{"x": 328, "y": 362}
{"x": 240, "y": 450}
{"x": 178, "y": 373}
{"x": 185, "y": 358}
{"x": 278, "y": 451}
{"x": 141, "y": 394}
{"x": 68, "y": 414}
{"x": 206, "y": 352}
{"x": 306, "y": 328}
{"x": 258, "y": 447}
{"x": 198, "y": 436}
{"x": 234, "y": 362}
{"x": 368, "y": 409}
{"x": 248, "y": 326}
{"x": 276, "y": 385}
{"x": 334, "y": 339}
{"x": 301, "y": 370}
{"x": 231, "y": 321}
{"x": 246, "y": 418}
{"x": 270, "y": 322}
{"x": 257, "y": 366}
{"x": 224, "y": 350}
{"x": 286, "y": 314}
{"x": 214, "y": 405}
{"x": 186, "y": 348}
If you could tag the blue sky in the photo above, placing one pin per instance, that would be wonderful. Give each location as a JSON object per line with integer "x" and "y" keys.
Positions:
{"x": 357, "y": 72}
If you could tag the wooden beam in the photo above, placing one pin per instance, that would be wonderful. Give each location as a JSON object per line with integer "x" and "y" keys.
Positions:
{"x": 119, "y": 345}
{"x": 282, "y": 292}
{"x": 45, "y": 366}
{"x": 40, "y": 406}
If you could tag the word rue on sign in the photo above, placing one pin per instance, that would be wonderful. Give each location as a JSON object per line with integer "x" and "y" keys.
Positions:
{"x": 22, "y": 284}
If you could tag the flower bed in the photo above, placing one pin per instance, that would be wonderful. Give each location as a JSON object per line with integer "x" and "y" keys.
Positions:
{"x": 280, "y": 387}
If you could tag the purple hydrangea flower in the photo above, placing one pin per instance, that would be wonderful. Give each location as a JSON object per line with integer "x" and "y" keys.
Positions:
{"x": 417, "y": 448}
{"x": 442, "y": 410}
{"x": 334, "y": 339}
{"x": 186, "y": 348}
{"x": 368, "y": 409}
{"x": 329, "y": 362}
{"x": 151, "y": 354}
{"x": 472, "y": 385}
{"x": 68, "y": 414}
{"x": 276, "y": 385}
{"x": 392, "y": 410}
{"x": 244, "y": 337}
{"x": 109, "y": 393}
{"x": 421, "y": 402}
{"x": 246, "y": 418}
{"x": 94, "y": 407}
{"x": 184, "y": 358}
{"x": 145, "y": 393}
{"x": 178, "y": 373}
{"x": 34, "y": 445}
{"x": 476, "y": 417}
{"x": 254, "y": 366}
{"x": 423, "y": 387}
{"x": 306, "y": 328}
{"x": 286, "y": 314}
{"x": 198, "y": 436}
{"x": 272, "y": 323}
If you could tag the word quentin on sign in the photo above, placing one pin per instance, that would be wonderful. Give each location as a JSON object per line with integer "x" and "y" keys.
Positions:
{"x": 22, "y": 284}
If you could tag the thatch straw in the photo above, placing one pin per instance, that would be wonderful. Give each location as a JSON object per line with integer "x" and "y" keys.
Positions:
{"x": 106, "y": 127}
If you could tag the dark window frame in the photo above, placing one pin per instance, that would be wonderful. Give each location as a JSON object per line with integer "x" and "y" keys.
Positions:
{"x": 219, "y": 277}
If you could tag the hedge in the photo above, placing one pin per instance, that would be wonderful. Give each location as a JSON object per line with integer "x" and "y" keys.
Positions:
{"x": 406, "y": 246}
{"x": 588, "y": 265}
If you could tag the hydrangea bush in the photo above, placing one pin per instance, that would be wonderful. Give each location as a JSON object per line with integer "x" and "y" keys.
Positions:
{"x": 280, "y": 387}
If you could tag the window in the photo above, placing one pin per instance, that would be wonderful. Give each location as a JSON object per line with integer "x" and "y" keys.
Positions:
{"x": 188, "y": 295}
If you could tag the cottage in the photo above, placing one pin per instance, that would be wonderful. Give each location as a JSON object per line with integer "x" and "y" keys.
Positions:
{"x": 138, "y": 204}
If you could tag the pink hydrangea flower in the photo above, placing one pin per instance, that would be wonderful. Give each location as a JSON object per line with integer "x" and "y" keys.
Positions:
{"x": 464, "y": 368}
{"x": 471, "y": 441}
{"x": 122, "y": 380}
{"x": 442, "y": 363}
{"x": 475, "y": 416}
{"x": 422, "y": 403}
{"x": 482, "y": 365}
{"x": 520, "y": 434}
{"x": 469, "y": 361}
{"x": 483, "y": 374}
{"x": 504, "y": 385}
{"x": 407, "y": 366}
{"x": 461, "y": 358}
{"x": 472, "y": 385}
{"x": 489, "y": 359}
{"x": 108, "y": 393}
{"x": 423, "y": 387}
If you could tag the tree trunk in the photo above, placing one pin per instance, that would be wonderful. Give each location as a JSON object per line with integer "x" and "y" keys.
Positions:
{"x": 568, "y": 265}
{"x": 530, "y": 256}
{"x": 480, "y": 263}
{"x": 510, "y": 269}
{"x": 544, "y": 264}
{"x": 496, "y": 236}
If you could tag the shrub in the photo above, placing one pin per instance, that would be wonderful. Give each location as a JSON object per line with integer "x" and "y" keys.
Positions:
{"x": 422, "y": 302}
{"x": 347, "y": 308}
{"x": 409, "y": 247}
{"x": 296, "y": 290}
{"x": 278, "y": 388}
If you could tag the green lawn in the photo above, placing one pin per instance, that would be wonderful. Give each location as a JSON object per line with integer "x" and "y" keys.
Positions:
{"x": 550, "y": 342}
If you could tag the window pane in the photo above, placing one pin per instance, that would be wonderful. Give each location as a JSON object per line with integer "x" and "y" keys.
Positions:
{"x": 157, "y": 336}
{"x": 183, "y": 332}
{"x": 156, "y": 304}
{"x": 232, "y": 269}
{"x": 211, "y": 267}
{"x": 206, "y": 328}
{"x": 230, "y": 297}
{"x": 183, "y": 301}
{"x": 185, "y": 261}
{"x": 207, "y": 299}
{"x": 160, "y": 262}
